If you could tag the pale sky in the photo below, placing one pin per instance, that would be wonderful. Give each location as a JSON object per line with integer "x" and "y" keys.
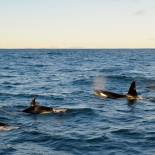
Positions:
{"x": 77, "y": 23}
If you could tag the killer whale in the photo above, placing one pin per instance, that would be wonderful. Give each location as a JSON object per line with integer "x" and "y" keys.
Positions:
{"x": 131, "y": 95}
{"x": 6, "y": 127}
{"x": 36, "y": 108}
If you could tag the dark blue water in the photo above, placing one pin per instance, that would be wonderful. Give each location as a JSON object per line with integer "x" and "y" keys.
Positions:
{"x": 65, "y": 79}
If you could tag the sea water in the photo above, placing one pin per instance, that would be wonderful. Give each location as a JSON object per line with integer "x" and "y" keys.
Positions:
{"x": 66, "y": 78}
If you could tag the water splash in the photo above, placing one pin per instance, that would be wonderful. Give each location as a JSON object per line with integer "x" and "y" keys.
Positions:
{"x": 99, "y": 83}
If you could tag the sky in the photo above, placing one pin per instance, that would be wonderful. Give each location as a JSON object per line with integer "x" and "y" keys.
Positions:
{"x": 77, "y": 23}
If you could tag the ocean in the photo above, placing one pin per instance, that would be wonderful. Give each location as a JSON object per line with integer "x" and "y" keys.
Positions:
{"x": 66, "y": 78}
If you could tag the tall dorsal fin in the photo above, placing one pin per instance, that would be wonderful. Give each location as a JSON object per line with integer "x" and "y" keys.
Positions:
{"x": 132, "y": 90}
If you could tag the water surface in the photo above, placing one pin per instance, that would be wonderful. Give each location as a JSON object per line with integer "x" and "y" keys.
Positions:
{"x": 65, "y": 79}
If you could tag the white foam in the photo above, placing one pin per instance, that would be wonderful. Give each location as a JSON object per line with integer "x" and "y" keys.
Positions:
{"x": 59, "y": 110}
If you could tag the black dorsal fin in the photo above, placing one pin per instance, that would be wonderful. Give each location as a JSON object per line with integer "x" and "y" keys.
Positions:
{"x": 33, "y": 102}
{"x": 132, "y": 90}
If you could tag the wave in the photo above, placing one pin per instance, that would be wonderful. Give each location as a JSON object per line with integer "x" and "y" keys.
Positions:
{"x": 32, "y": 95}
{"x": 82, "y": 81}
{"x": 8, "y": 76}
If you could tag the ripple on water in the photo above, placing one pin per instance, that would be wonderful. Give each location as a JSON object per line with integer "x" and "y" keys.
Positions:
{"x": 64, "y": 78}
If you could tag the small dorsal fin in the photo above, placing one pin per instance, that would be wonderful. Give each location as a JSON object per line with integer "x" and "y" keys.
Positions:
{"x": 33, "y": 102}
{"x": 132, "y": 90}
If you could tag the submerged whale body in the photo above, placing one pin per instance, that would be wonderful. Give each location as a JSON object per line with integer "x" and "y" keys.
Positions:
{"x": 35, "y": 108}
{"x": 108, "y": 94}
{"x": 6, "y": 127}
{"x": 131, "y": 95}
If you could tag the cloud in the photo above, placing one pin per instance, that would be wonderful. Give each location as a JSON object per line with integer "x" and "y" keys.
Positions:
{"x": 151, "y": 39}
{"x": 140, "y": 12}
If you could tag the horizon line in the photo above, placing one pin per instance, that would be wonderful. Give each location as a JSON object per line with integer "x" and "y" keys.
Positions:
{"x": 73, "y": 48}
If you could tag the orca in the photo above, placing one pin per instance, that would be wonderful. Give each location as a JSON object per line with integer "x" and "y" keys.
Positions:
{"x": 36, "y": 108}
{"x": 131, "y": 95}
{"x": 6, "y": 127}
